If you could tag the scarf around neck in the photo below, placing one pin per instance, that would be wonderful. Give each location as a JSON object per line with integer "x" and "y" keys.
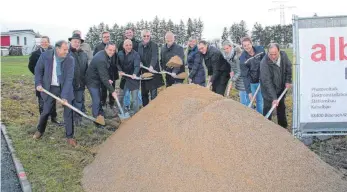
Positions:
{"x": 58, "y": 60}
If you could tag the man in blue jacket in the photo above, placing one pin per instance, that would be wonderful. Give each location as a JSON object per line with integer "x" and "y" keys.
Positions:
{"x": 54, "y": 72}
{"x": 196, "y": 68}
{"x": 250, "y": 70}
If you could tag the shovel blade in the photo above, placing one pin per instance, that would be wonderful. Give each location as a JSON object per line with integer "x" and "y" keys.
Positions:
{"x": 100, "y": 120}
{"x": 124, "y": 116}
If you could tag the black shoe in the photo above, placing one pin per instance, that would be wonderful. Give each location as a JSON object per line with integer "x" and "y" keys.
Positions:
{"x": 55, "y": 121}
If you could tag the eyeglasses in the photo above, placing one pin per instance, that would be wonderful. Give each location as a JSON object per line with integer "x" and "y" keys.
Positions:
{"x": 106, "y": 37}
{"x": 146, "y": 36}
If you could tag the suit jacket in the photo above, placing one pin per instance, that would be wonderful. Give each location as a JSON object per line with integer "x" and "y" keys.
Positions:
{"x": 44, "y": 70}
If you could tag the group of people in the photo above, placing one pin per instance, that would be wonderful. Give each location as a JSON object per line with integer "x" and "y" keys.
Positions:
{"x": 70, "y": 67}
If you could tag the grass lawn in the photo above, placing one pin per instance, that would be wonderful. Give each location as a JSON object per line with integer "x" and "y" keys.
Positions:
{"x": 51, "y": 164}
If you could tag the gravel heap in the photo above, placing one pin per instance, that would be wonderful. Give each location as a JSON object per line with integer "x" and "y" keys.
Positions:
{"x": 190, "y": 139}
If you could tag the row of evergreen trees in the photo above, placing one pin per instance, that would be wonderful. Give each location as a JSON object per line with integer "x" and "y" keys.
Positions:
{"x": 193, "y": 27}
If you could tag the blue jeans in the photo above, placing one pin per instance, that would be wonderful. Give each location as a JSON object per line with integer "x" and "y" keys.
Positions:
{"x": 96, "y": 103}
{"x": 244, "y": 99}
{"x": 126, "y": 101}
{"x": 134, "y": 95}
{"x": 78, "y": 101}
{"x": 259, "y": 97}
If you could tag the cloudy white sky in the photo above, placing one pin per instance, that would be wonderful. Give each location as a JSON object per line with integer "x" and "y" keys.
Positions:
{"x": 60, "y": 18}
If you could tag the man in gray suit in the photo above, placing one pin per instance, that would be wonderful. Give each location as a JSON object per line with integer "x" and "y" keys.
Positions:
{"x": 54, "y": 72}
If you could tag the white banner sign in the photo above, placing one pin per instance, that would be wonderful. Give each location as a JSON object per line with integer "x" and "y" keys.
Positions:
{"x": 323, "y": 74}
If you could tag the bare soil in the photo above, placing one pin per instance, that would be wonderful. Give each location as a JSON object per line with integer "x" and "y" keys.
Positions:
{"x": 190, "y": 139}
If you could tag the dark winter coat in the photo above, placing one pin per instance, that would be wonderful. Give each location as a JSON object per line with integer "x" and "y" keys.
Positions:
{"x": 135, "y": 45}
{"x": 250, "y": 67}
{"x": 216, "y": 64}
{"x": 98, "y": 71}
{"x": 44, "y": 70}
{"x": 34, "y": 57}
{"x": 196, "y": 67}
{"x": 129, "y": 64}
{"x": 234, "y": 62}
{"x": 149, "y": 57}
{"x": 167, "y": 53}
{"x": 113, "y": 71}
{"x": 81, "y": 66}
{"x": 273, "y": 78}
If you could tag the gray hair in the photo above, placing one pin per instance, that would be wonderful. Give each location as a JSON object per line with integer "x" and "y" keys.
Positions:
{"x": 273, "y": 45}
{"x": 226, "y": 42}
{"x": 76, "y": 31}
{"x": 59, "y": 43}
{"x": 169, "y": 33}
{"x": 143, "y": 32}
{"x": 109, "y": 44}
{"x": 127, "y": 40}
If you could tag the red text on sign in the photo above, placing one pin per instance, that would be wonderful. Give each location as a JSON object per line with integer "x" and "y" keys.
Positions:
{"x": 320, "y": 50}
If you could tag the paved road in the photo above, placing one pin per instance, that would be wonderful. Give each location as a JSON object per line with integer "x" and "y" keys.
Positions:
{"x": 9, "y": 179}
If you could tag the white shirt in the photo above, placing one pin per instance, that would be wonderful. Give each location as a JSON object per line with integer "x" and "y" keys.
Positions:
{"x": 54, "y": 73}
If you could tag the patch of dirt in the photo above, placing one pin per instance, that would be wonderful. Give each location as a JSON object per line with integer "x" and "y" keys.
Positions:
{"x": 196, "y": 140}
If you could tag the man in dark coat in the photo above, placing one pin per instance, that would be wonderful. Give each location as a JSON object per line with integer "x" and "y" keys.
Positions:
{"x": 81, "y": 66}
{"x": 34, "y": 57}
{"x": 170, "y": 49}
{"x": 54, "y": 72}
{"x": 113, "y": 71}
{"x": 218, "y": 68}
{"x": 148, "y": 51}
{"x": 195, "y": 64}
{"x": 129, "y": 34}
{"x": 97, "y": 75}
{"x": 275, "y": 76}
{"x": 129, "y": 63}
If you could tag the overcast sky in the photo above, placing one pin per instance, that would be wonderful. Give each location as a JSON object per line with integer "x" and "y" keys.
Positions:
{"x": 62, "y": 17}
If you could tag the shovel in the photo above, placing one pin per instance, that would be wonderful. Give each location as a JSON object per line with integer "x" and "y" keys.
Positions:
{"x": 138, "y": 78}
{"x": 153, "y": 71}
{"x": 100, "y": 119}
{"x": 274, "y": 106}
{"x": 255, "y": 94}
{"x": 228, "y": 88}
{"x": 123, "y": 116}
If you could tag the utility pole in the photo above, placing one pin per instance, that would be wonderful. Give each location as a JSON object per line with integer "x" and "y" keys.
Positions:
{"x": 282, "y": 7}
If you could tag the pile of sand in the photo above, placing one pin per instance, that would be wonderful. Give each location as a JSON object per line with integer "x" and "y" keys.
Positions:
{"x": 190, "y": 139}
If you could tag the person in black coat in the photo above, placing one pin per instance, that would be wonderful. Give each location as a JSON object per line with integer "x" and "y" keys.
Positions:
{"x": 195, "y": 64}
{"x": 148, "y": 51}
{"x": 34, "y": 57}
{"x": 113, "y": 71}
{"x": 218, "y": 68}
{"x": 129, "y": 63}
{"x": 54, "y": 72}
{"x": 275, "y": 76}
{"x": 170, "y": 49}
{"x": 129, "y": 34}
{"x": 81, "y": 66}
{"x": 97, "y": 75}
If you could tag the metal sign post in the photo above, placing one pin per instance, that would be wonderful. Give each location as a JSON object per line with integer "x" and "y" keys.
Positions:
{"x": 320, "y": 76}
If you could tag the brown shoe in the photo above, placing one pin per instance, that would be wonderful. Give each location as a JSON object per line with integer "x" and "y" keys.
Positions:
{"x": 72, "y": 142}
{"x": 37, "y": 135}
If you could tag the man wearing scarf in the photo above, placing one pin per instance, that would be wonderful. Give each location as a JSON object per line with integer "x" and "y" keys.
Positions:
{"x": 44, "y": 46}
{"x": 148, "y": 51}
{"x": 233, "y": 59}
{"x": 54, "y": 72}
{"x": 81, "y": 66}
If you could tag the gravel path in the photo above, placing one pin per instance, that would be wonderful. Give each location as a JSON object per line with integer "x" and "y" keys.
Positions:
{"x": 9, "y": 179}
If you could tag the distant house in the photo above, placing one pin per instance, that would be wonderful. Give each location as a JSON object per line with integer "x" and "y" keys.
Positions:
{"x": 19, "y": 38}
